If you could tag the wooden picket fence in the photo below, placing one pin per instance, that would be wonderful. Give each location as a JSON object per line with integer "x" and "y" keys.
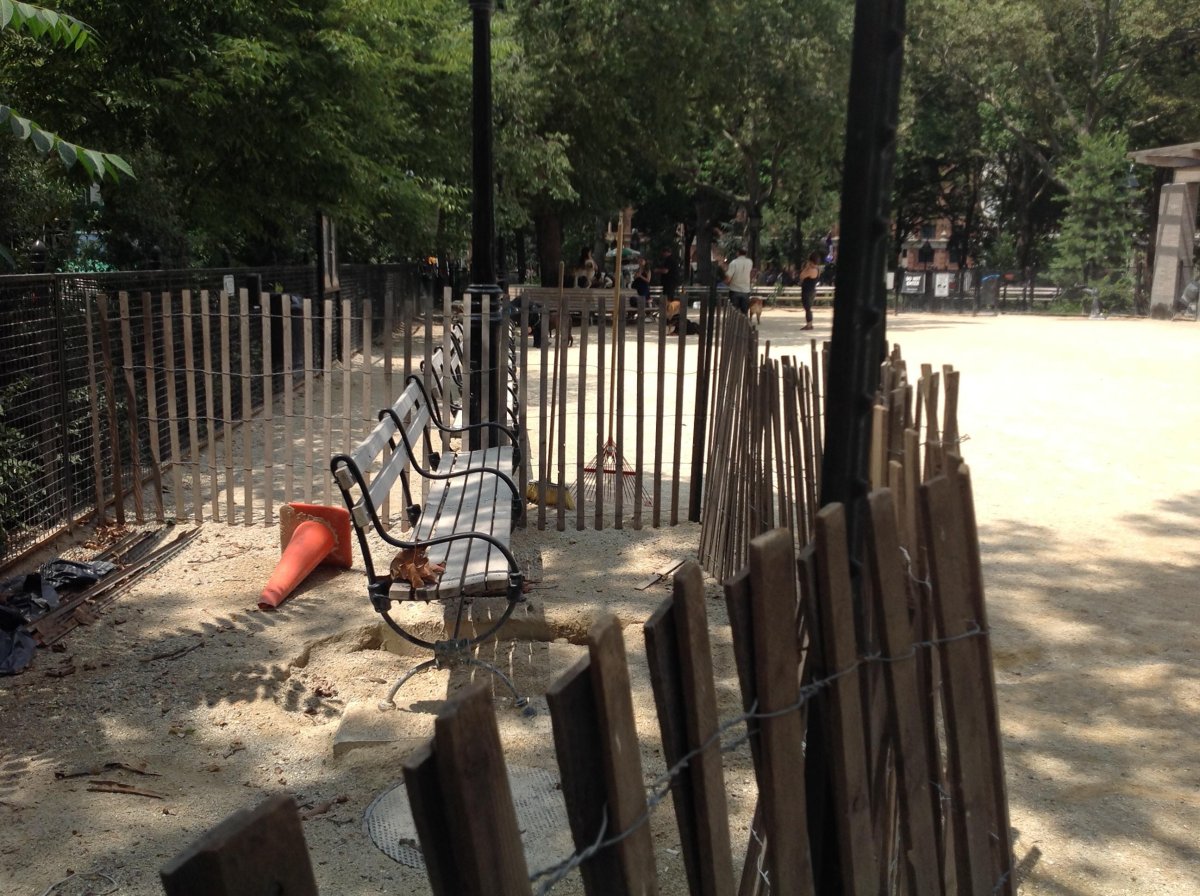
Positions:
{"x": 871, "y": 720}
{"x": 220, "y": 407}
{"x": 877, "y": 755}
{"x": 764, "y": 454}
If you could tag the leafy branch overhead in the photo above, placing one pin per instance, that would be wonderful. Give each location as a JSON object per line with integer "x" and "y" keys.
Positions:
{"x": 44, "y": 24}
{"x": 58, "y": 29}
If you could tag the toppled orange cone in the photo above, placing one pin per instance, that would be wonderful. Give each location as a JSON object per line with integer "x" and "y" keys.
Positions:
{"x": 311, "y": 534}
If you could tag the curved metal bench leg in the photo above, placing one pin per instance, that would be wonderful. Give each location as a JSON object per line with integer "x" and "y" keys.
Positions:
{"x": 518, "y": 700}
{"x": 387, "y": 702}
{"x": 449, "y": 662}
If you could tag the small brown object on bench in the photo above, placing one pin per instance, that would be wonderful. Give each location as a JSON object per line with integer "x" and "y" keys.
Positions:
{"x": 412, "y": 565}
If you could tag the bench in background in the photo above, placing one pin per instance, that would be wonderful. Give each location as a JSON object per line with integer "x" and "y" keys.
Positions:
{"x": 465, "y": 521}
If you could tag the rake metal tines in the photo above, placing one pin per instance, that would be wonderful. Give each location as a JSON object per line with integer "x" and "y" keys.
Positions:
{"x": 605, "y": 474}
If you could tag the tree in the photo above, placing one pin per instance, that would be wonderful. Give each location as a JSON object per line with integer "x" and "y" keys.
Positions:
{"x": 248, "y": 116}
{"x": 57, "y": 29}
{"x": 1047, "y": 73}
{"x": 1095, "y": 238}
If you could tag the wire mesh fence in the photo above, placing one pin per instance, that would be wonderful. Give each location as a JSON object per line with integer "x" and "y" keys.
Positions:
{"x": 219, "y": 395}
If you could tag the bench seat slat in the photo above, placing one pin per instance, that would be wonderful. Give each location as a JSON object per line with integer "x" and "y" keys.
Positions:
{"x": 476, "y": 503}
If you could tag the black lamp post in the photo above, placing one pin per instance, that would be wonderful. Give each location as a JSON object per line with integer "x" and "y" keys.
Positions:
{"x": 483, "y": 261}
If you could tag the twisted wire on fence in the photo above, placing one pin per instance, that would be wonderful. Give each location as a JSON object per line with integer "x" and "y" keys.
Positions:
{"x": 661, "y": 786}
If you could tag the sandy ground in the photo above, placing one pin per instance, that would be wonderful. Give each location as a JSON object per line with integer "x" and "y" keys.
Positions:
{"x": 1085, "y": 467}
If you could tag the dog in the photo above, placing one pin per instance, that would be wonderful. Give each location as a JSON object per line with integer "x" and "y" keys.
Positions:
{"x": 691, "y": 327}
{"x": 754, "y": 312}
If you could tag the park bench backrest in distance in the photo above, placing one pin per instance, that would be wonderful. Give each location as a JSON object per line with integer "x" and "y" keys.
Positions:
{"x": 351, "y": 471}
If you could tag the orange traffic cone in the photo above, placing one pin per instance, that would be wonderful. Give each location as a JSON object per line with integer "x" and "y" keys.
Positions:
{"x": 311, "y": 534}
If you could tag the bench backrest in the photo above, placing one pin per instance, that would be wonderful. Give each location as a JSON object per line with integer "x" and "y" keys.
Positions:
{"x": 351, "y": 471}
{"x": 577, "y": 300}
{"x": 446, "y": 393}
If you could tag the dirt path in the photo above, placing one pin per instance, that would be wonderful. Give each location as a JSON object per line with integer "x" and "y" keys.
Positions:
{"x": 1085, "y": 467}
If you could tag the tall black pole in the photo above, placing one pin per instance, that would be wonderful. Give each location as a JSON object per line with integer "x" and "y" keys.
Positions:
{"x": 860, "y": 304}
{"x": 483, "y": 259}
{"x": 859, "y": 314}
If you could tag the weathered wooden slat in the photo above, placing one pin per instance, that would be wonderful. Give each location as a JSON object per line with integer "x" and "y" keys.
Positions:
{"x": 367, "y": 374}
{"x": 168, "y": 326}
{"x": 268, "y": 412}
{"x": 618, "y": 318}
{"x": 877, "y": 465}
{"x": 347, "y": 354}
{"x": 210, "y": 414}
{"x": 819, "y": 370}
{"x": 227, "y": 407}
{"x": 1002, "y": 843}
{"x": 680, "y": 657}
{"x": 110, "y": 404}
{"x": 131, "y": 415}
{"x": 153, "y": 430}
{"x": 934, "y": 456}
{"x": 310, "y": 391}
{"x": 561, "y": 373}
{"x": 250, "y": 853}
{"x": 189, "y": 367}
{"x": 97, "y": 446}
{"x": 918, "y": 798}
{"x": 627, "y": 865}
{"x": 431, "y": 815}
{"x": 545, "y": 437}
{"x": 680, "y": 380}
{"x": 474, "y": 784}
{"x": 950, "y": 411}
{"x": 581, "y": 427}
{"x": 781, "y": 769}
{"x": 972, "y": 807}
{"x": 639, "y": 436}
{"x": 846, "y": 729}
{"x": 289, "y": 389}
{"x": 579, "y": 744}
{"x": 660, "y": 411}
{"x": 601, "y": 360}
{"x": 246, "y": 424}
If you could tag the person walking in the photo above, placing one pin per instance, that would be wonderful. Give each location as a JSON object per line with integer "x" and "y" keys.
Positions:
{"x": 809, "y": 275}
{"x": 737, "y": 275}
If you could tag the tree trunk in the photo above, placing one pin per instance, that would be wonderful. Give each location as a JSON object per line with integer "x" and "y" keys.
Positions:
{"x": 547, "y": 228}
{"x": 1025, "y": 248}
{"x": 522, "y": 261}
{"x": 798, "y": 254}
{"x": 707, "y": 208}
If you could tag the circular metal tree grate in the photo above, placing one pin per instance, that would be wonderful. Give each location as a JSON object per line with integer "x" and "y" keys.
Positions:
{"x": 541, "y": 814}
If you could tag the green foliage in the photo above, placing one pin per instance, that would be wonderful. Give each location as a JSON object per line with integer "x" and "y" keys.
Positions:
{"x": 243, "y": 117}
{"x": 44, "y": 24}
{"x": 17, "y": 472}
{"x": 1095, "y": 238}
{"x": 56, "y": 29}
{"x": 1000, "y": 253}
